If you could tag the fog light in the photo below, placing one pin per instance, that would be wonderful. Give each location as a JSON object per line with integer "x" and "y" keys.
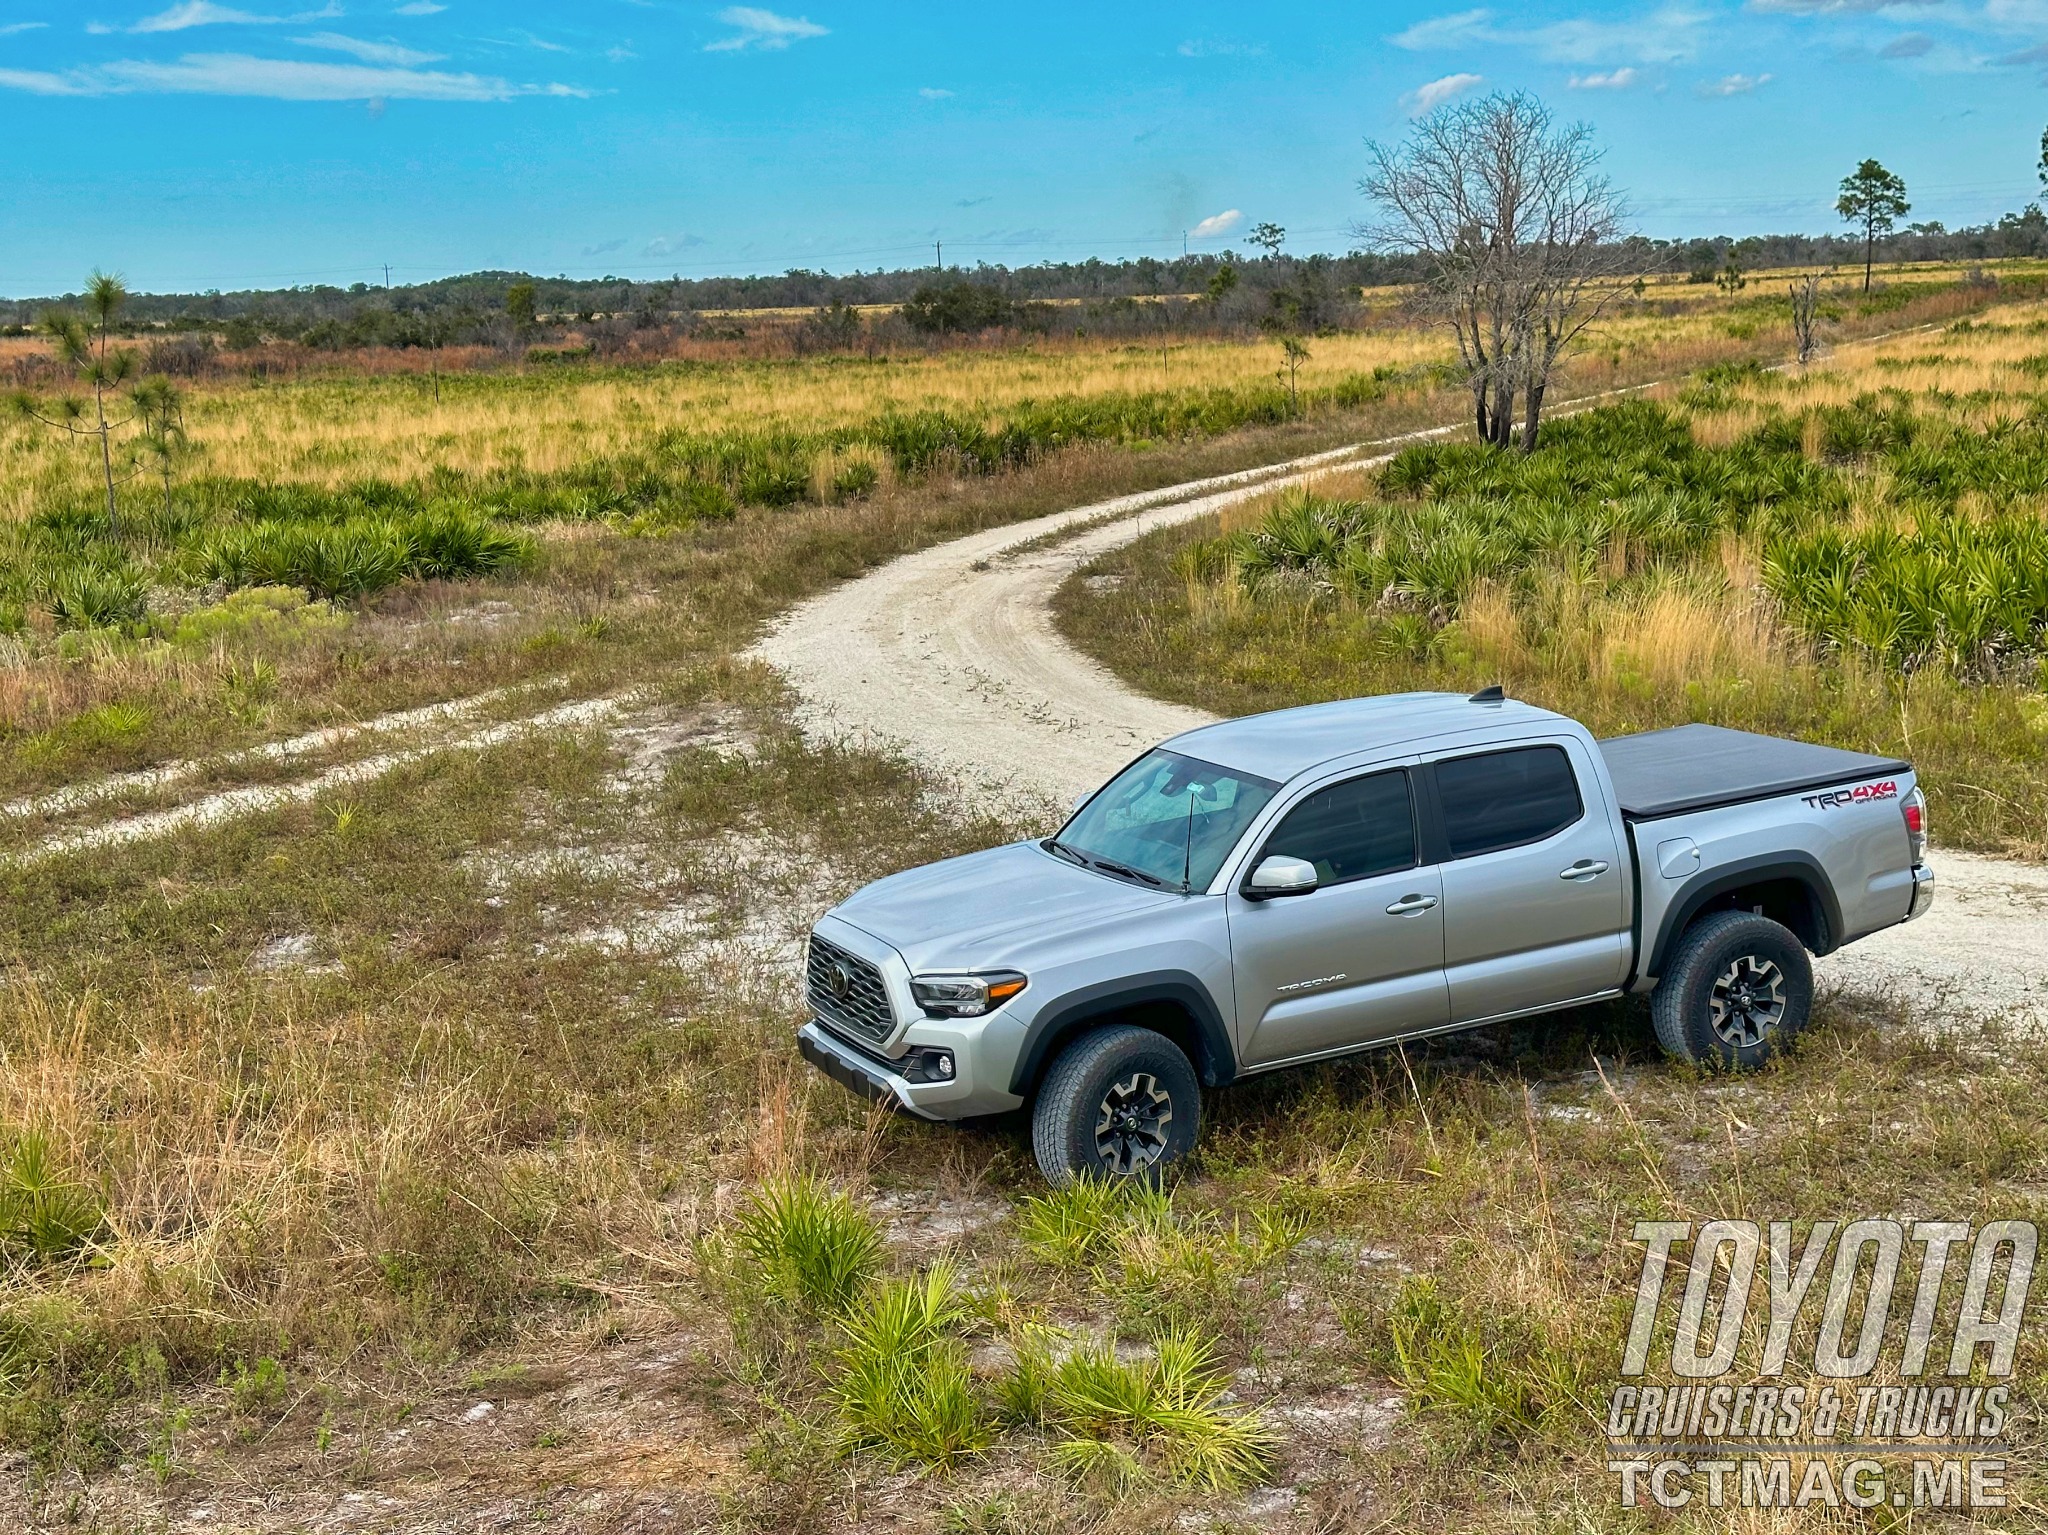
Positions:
{"x": 927, "y": 1064}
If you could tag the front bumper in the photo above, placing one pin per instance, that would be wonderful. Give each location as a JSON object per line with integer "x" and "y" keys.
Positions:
{"x": 971, "y": 1092}
{"x": 1923, "y": 891}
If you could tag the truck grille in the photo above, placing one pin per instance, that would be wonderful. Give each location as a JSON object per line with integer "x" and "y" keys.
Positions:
{"x": 847, "y": 992}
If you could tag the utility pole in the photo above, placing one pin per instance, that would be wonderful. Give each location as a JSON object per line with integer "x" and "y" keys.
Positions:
{"x": 939, "y": 252}
{"x": 387, "y": 275}
{"x": 1183, "y": 245}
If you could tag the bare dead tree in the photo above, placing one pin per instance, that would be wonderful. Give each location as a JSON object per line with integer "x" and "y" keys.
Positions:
{"x": 1806, "y": 314}
{"x": 1521, "y": 235}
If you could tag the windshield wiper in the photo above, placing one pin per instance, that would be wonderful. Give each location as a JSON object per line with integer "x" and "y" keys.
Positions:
{"x": 1128, "y": 873}
{"x": 1106, "y": 865}
{"x": 1054, "y": 845}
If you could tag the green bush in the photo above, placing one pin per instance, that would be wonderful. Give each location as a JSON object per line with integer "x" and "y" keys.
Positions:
{"x": 901, "y": 1381}
{"x": 1121, "y": 1420}
{"x": 815, "y": 1248}
{"x": 90, "y": 597}
{"x": 253, "y": 613}
{"x": 45, "y": 1217}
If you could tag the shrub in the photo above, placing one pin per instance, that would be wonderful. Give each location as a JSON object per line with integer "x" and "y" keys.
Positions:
{"x": 815, "y": 1247}
{"x": 1122, "y": 1420}
{"x": 45, "y": 1218}
{"x": 448, "y": 545}
{"x": 901, "y": 1381}
{"x": 253, "y": 613}
{"x": 958, "y": 307}
{"x": 89, "y": 597}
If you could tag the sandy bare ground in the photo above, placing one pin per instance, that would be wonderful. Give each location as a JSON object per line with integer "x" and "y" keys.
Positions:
{"x": 952, "y": 656}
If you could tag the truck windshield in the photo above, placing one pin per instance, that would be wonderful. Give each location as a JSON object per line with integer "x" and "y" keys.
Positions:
{"x": 1167, "y": 820}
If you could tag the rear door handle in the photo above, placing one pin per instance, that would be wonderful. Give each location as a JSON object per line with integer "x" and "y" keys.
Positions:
{"x": 1585, "y": 868}
{"x": 1409, "y": 905}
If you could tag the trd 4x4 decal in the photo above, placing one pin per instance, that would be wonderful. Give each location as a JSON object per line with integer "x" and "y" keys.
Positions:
{"x": 1834, "y": 798}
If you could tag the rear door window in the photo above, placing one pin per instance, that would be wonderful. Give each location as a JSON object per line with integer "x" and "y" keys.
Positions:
{"x": 1506, "y": 799}
{"x": 1351, "y": 830}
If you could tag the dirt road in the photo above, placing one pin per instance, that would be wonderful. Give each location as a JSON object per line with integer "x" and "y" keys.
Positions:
{"x": 951, "y": 655}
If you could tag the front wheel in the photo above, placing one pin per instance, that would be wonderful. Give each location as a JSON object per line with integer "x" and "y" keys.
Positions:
{"x": 1738, "y": 986}
{"x": 1119, "y": 1102}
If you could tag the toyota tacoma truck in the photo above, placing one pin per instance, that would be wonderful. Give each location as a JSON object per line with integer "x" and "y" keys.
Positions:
{"x": 1293, "y": 886}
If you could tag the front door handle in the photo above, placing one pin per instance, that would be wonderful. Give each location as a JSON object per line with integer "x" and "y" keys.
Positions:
{"x": 1585, "y": 868}
{"x": 1409, "y": 905}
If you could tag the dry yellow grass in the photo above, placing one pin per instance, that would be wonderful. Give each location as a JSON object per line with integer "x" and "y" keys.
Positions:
{"x": 329, "y": 430}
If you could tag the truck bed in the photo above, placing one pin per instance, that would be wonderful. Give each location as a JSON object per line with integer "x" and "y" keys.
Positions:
{"x": 1698, "y": 767}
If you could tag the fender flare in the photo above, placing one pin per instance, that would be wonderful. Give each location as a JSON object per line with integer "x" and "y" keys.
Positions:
{"x": 1802, "y": 869}
{"x": 1060, "y": 1020}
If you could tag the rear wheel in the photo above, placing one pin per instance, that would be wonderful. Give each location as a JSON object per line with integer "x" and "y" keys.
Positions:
{"x": 1118, "y": 1102}
{"x": 1738, "y": 986}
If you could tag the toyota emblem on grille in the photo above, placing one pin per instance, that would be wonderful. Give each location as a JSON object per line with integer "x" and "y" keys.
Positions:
{"x": 839, "y": 980}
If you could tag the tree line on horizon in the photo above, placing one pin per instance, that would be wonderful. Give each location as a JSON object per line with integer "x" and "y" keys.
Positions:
{"x": 406, "y": 314}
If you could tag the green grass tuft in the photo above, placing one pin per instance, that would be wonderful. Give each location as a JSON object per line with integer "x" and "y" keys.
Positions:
{"x": 1122, "y": 1421}
{"x": 1079, "y": 1224}
{"x": 45, "y": 1218}
{"x": 816, "y": 1248}
{"x": 901, "y": 1381}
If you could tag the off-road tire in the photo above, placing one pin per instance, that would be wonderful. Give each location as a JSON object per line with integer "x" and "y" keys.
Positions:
{"x": 1120, "y": 1074}
{"x": 1738, "y": 986}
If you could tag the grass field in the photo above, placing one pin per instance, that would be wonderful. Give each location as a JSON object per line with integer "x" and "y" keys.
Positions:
{"x": 430, "y": 1152}
{"x": 1855, "y": 553}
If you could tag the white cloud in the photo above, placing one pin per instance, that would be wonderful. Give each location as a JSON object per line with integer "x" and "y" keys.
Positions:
{"x": 1427, "y": 98}
{"x": 667, "y": 245}
{"x": 239, "y": 74}
{"x": 1452, "y": 31}
{"x": 420, "y": 8}
{"x": 1733, "y": 85}
{"x": 369, "y": 52}
{"x": 1662, "y": 36}
{"x": 1612, "y": 80}
{"x": 935, "y": 93}
{"x": 762, "y": 29}
{"x": 22, "y": 26}
{"x": 1217, "y": 224}
{"x": 605, "y": 248}
{"x": 41, "y": 82}
{"x": 204, "y": 13}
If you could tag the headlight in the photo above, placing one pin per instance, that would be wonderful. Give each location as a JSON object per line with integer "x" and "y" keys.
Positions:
{"x": 965, "y": 996}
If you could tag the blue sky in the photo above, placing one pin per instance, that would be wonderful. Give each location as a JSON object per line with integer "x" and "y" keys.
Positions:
{"x": 193, "y": 144}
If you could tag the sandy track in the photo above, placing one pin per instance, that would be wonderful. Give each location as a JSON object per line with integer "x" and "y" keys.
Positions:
{"x": 227, "y": 804}
{"x": 951, "y": 655}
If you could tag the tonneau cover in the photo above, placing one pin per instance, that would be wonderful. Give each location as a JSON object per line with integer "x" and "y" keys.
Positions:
{"x": 1696, "y": 767}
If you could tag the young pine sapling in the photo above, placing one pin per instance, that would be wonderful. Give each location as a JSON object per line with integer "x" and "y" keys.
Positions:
{"x": 84, "y": 344}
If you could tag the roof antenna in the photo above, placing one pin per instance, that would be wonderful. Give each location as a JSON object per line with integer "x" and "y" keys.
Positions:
{"x": 1488, "y": 695}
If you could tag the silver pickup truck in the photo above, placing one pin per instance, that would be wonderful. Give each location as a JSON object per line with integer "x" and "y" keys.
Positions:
{"x": 1297, "y": 885}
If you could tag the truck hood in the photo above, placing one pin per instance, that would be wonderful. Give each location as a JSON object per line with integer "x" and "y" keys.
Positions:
{"x": 978, "y": 911}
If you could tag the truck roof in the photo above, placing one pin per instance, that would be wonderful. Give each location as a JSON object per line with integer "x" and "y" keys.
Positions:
{"x": 1288, "y": 742}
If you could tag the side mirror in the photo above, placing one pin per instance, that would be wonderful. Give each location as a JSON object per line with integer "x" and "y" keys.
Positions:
{"x": 1079, "y": 800}
{"x": 1281, "y": 875}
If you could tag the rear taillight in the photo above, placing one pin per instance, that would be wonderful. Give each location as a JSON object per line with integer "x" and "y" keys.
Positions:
{"x": 1914, "y": 807}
